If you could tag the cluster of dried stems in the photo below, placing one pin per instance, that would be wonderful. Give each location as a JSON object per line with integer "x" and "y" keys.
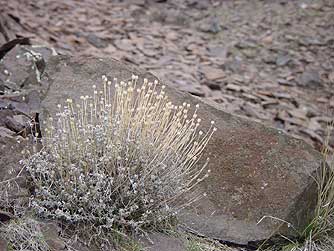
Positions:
{"x": 24, "y": 234}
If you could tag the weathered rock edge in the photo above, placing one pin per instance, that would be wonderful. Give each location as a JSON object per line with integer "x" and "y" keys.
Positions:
{"x": 256, "y": 171}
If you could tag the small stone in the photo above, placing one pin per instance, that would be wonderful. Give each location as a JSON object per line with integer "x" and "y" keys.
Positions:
{"x": 233, "y": 87}
{"x": 309, "y": 41}
{"x": 13, "y": 124}
{"x": 212, "y": 25}
{"x": 283, "y": 60}
{"x": 267, "y": 39}
{"x": 235, "y": 65}
{"x": 96, "y": 41}
{"x": 202, "y": 5}
{"x": 125, "y": 45}
{"x": 268, "y": 59}
{"x": 283, "y": 81}
{"x": 310, "y": 78}
{"x": 322, "y": 100}
{"x": 212, "y": 73}
{"x": 218, "y": 51}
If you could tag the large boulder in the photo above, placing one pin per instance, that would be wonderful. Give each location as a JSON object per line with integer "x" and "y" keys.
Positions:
{"x": 260, "y": 178}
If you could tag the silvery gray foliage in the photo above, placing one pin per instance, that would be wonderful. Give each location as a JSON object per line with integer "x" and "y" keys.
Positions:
{"x": 122, "y": 159}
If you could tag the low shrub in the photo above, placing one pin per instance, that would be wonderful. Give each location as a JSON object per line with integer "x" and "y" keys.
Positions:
{"x": 119, "y": 158}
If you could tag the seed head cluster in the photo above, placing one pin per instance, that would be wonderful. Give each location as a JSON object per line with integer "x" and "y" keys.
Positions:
{"x": 121, "y": 157}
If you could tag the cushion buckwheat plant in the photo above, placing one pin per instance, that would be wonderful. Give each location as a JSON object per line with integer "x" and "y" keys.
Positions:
{"x": 121, "y": 157}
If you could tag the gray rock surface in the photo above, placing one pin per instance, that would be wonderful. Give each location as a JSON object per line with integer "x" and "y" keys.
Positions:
{"x": 164, "y": 243}
{"x": 256, "y": 171}
{"x": 22, "y": 67}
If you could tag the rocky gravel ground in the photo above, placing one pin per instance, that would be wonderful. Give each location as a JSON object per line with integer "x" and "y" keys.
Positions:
{"x": 269, "y": 60}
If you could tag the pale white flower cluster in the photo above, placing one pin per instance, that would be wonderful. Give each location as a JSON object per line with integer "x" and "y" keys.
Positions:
{"x": 121, "y": 157}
